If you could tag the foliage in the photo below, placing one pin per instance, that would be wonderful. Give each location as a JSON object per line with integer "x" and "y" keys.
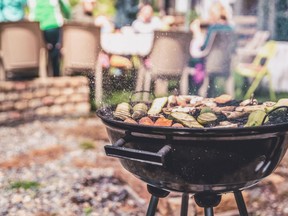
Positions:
{"x": 105, "y": 7}
{"x": 24, "y": 184}
{"x": 74, "y": 2}
{"x": 88, "y": 211}
{"x": 87, "y": 145}
{"x": 117, "y": 97}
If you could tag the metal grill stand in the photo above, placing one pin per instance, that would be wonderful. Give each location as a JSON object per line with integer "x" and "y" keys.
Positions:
{"x": 205, "y": 200}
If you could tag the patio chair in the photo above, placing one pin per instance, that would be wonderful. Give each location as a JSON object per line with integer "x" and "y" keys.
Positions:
{"x": 81, "y": 48}
{"x": 258, "y": 69}
{"x": 23, "y": 52}
{"x": 218, "y": 55}
{"x": 247, "y": 53}
{"x": 168, "y": 58}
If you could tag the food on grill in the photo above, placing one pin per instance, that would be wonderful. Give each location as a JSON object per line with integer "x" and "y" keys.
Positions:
{"x": 146, "y": 121}
{"x": 197, "y": 112}
{"x": 139, "y": 111}
{"x": 131, "y": 121}
{"x": 177, "y": 125}
{"x": 255, "y": 118}
{"x": 181, "y": 101}
{"x": 163, "y": 122}
{"x": 157, "y": 106}
{"x": 186, "y": 120}
{"x": 281, "y": 102}
{"x": 122, "y": 111}
{"x": 222, "y": 99}
{"x": 206, "y": 118}
{"x": 251, "y": 101}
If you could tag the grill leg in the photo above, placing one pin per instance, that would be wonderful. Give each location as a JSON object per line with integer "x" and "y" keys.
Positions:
{"x": 152, "y": 206}
{"x": 156, "y": 194}
{"x": 240, "y": 203}
{"x": 208, "y": 211}
{"x": 207, "y": 201}
{"x": 184, "y": 204}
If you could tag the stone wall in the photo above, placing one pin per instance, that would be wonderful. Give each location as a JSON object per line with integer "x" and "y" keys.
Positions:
{"x": 52, "y": 97}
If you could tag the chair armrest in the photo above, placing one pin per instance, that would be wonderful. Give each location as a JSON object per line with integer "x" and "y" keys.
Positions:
{"x": 243, "y": 51}
{"x": 208, "y": 48}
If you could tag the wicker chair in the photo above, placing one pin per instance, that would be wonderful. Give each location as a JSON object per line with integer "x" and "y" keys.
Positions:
{"x": 218, "y": 56}
{"x": 169, "y": 56}
{"x": 81, "y": 48}
{"x": 23, "y": 52}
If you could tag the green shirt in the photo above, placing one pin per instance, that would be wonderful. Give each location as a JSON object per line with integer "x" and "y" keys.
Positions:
{"x": 50, "y": 13}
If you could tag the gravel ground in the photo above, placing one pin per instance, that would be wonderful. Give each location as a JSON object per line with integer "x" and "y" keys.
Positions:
{"x": 65, "y": 176}
{"x": 44, "y": 154}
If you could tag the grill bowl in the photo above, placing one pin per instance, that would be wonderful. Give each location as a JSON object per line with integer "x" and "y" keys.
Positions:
{"x": 196, "y": 160}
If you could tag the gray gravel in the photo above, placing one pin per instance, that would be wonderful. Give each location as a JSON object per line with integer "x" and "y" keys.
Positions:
{"x": 63, "y": 188}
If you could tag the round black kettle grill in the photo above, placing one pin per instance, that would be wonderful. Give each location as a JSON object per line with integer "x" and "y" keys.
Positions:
{"x": 203, "y": 162}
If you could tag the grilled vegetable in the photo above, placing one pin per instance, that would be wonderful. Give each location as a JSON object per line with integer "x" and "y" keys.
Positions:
{"x": 131, "y": 121}
{"x": 234, "y": 114}
{"x": 206, "y": 118}
{"x": 248, "y": 102}
{"x": 139, "y": 111}
{"x": 122, "y": 111}
{"x": 250, "y": 109}
{"x": 163, "y": 122}
{"x": 255, "y": 118}
{"x": 281, "y": 102}
{"x": 146, "y": 121}
{"x": 205, "y": 110}
{"x": 186, "y": 119}
{"x": 157, "y": 105}
{"x": 181, "y": 101}
{"x": 222, "y": 99}
{"x": 172, "y": 101}
{"x": 177, "y": 125}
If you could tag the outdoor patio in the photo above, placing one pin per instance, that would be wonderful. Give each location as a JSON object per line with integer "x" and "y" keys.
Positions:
{"x": 58, "y": 167}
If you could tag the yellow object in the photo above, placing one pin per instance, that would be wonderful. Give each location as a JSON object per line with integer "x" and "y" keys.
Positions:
{"x": 120, "y": 62}
{"x": 258, "y": 69}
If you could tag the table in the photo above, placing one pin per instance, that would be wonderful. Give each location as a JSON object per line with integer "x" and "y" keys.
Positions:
{"x": 127, "y": 43}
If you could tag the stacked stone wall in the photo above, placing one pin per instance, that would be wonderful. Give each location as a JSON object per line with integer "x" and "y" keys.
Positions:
{"x": 51, "y": 97}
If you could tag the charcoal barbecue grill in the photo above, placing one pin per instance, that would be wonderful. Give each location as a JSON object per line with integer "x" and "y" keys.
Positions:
{"x": 205, "y": 162}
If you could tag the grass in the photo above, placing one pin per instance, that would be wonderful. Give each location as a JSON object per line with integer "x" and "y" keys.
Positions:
{"x": 88, "y": 211}
{"x": 24, "y": 184}
{"x": 87, "y": 145}
{"x": 261, "y": 94}
{"x": 122, "y": 89}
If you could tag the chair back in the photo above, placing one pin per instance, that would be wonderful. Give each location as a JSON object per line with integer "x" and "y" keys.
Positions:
{"x": 81, "y": 47}
{"x": 265, "y": 53}
{"x": 258, "y": 40}
{"x": 218, "y": 60}
{"x": 21, "y": 44}
{"x": 170, "y": 53}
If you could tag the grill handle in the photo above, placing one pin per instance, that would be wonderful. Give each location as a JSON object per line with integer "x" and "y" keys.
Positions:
{"x": 119, "y": 151}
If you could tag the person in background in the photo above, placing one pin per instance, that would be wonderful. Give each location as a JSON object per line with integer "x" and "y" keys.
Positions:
{"x": 126, "y": 12}
{"x": 218, "y": 22}
{"x": 196, "y": 61}
{"x": 12, "y": 10}
{"x": 146, "y": 22}
{"x": 83, "y": 12}
{"x": 51, "y": 16}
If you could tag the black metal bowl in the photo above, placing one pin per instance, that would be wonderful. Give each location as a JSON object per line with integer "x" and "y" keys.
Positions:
{"x": 196, "y": 160}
